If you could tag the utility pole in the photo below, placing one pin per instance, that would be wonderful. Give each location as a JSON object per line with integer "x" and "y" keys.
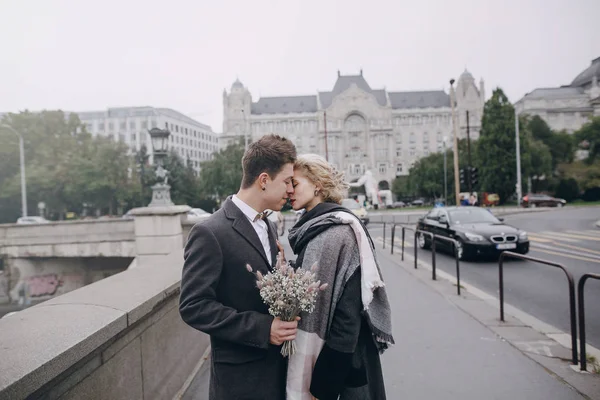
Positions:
{"x": 454, "y": 124}
{"x": 517, "y": 140}
{"x": 445, "y": 174}
{"x": 470, "y": 183}
{"x": 245, "y": 132}
{"x": 325, "y": 124}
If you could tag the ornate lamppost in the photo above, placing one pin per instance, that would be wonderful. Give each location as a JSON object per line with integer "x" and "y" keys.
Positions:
{"x": 161, "y": 194}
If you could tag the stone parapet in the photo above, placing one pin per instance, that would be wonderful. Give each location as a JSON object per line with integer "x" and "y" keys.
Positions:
{"x": 121, "y": 337}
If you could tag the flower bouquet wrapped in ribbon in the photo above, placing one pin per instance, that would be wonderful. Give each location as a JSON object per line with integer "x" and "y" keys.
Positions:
{"x": 288, "y": 293}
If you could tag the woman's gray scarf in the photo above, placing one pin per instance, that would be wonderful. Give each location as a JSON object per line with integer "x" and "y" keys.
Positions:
{"x": 323, "y": 236}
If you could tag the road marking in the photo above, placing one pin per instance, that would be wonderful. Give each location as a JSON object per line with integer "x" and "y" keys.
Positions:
{"x": 540, "y": 240}
{"x": 553, "y": 236}
{"x": 567, "y": 255}
{"x": 573, "y": 236}
{"x": 567, "y": 251}
{"x": 593, "y": 232}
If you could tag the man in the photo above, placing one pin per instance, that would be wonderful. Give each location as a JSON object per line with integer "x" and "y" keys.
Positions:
{"x": 218, "y": 294}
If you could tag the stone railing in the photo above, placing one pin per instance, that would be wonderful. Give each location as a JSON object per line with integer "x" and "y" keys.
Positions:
{"x": 95, "y": 238}
{"x": 119, "y": 338}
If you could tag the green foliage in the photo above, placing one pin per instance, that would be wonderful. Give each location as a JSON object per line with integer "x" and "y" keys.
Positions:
{"x": 560, "y": 144}
{"x": 221, "y": 177}
{"x": 71, "y": 171}
{"x": 589, "y": 134}
{"x": 567, "y": 189}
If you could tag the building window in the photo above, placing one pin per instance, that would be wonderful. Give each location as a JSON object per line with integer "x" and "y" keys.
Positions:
{"x": 152, "y": 123}
{"x": 111, "y": 126}
{"x": 101, "y": 126}
{"x": 412, "y": 137}
{"x": 123, "y": 126}
{"x": 131, "y": 124}
{"x": 133, "y": 137}
{"x": 398, "y": 169}
{"x": 383, "y": 169}
{"x": 145, "y": 125}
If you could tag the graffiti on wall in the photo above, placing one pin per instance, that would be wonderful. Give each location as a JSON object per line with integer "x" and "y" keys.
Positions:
{"x": 43, "y": 285}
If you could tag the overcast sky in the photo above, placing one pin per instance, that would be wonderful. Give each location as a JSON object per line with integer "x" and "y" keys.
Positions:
{"x": 89, "y": 55}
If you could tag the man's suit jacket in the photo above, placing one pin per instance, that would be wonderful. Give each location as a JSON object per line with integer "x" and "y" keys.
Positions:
{"x": 219, "y": 297}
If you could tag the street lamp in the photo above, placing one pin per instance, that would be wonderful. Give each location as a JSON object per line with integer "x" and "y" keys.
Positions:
{"x": 245, "y": 132}
{"x": 455, "y": 126}
{"x": 445, "y": 172}
{"x": 161, "y": 195}
{"x": 22, "y": 161}
{"x": 518, "y": 150}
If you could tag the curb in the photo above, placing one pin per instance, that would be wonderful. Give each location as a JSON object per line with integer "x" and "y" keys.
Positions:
{"x": 598, "y": 224}
{"x": 553, "y": 353}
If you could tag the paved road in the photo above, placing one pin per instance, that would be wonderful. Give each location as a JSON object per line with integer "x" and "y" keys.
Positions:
{"x": 567, "y": 236}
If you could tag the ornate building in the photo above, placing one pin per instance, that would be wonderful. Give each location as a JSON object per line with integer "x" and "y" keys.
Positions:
{"x": 567, "y": 107}
{"x": 356, "y": 127}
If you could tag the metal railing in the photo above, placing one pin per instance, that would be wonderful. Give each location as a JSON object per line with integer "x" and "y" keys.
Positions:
{"x": 434, "y": 237}
{"x": 571, "y": 293}
{"x": 580, "y": 303}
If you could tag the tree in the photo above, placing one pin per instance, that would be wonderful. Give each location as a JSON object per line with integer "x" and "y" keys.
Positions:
{"x": 496, "y": 146}
{"x": 560, "y": 144}
{"x": 589, "y": 137}
{"x": 222, "y": 176}
{"x": 66, "y": 167}
{"x": 567, "y": 189}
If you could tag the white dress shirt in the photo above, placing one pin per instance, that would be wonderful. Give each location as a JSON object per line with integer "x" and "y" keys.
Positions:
{"x": 259, "y": 226}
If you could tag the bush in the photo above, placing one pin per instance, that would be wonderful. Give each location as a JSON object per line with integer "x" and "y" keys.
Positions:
{"x": 592, "y": 194}
{"x": 567, "y": 189}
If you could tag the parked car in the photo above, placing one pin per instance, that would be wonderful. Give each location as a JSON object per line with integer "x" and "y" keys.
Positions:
{"x": 533, "y": 200}
{"x": 418, "y": 202}
{"x": 477, "y": 232}
{"x": 398, "y": 204}
{"x": 32, "y": 220}
{"x": 357, "y": 209}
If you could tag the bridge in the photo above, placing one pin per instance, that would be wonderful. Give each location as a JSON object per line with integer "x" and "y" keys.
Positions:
{"x": 122, "y": 337}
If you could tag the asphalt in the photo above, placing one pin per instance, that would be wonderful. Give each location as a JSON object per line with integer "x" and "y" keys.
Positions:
{"x": 454, "y": 347}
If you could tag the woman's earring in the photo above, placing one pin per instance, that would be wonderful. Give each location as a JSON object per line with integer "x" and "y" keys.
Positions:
{"x": 316, "y": 192}
{"x": 264, "y": 188}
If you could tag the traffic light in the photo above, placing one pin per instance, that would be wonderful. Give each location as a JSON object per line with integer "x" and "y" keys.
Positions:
{"x": 474, "y": 176}
{"x": 462, "y": 175}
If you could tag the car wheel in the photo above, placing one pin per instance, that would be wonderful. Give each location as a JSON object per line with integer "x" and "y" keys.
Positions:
{"x": 559, "y": 205}
{"x": 422, "y": 242}
{"x": 532, "y": 205}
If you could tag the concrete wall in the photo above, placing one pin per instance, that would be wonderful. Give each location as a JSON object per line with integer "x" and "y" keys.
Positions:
{"x": 119, "y": 338}
{"x": 94, "y": 238}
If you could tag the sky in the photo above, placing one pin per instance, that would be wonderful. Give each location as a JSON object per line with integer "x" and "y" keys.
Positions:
{"x": 81, "y": 55}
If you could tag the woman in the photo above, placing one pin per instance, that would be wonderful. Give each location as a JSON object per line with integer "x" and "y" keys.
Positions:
{"x": 338, "y": 345}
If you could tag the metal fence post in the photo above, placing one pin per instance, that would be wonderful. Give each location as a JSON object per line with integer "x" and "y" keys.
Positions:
{"x": 392, "y": 239}
{"x": 433, "y": 271}
{"x": 384, "y": 235}
{"x": 580, "y": 303}
{"x": 403, "y": 233}
{"x": 457, "y": 266}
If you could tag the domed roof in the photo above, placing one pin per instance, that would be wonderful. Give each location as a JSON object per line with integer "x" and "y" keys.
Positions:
{"x": 588, "y": 74}
{"x": 466, "y": 76}
{"x": 237, "y": 84}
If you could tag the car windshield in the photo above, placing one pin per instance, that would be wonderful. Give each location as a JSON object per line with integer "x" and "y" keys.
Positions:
{"x": 350, "y": 204}
{"x": 470, "y": 215}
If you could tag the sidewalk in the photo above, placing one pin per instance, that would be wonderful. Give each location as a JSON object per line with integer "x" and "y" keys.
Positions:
{"x": 445, "y": 352}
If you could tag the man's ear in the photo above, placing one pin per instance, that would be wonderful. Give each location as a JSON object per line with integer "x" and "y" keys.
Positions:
{"x": 263, "y": 179}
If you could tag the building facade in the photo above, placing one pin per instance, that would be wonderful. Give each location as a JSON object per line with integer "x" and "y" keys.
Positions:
{"x": 356, "y": 127}
{"x": 566, "y": 107}
{"x": 190, "y": 139}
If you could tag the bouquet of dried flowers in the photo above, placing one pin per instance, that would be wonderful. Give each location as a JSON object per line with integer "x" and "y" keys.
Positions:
{"x": 288, "y": 292}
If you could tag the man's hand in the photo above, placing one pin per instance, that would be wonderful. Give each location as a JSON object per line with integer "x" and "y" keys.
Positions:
{"x": 282, "y": 331}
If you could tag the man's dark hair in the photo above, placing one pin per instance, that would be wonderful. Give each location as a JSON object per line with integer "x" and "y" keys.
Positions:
{"x": 268, "y": 154}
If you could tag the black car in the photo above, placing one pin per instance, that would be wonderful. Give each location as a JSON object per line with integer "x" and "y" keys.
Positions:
{"x": 477, "y": 231}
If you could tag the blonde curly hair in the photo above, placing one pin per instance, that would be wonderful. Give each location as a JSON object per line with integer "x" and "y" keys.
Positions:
{"x": 333, "y": 186}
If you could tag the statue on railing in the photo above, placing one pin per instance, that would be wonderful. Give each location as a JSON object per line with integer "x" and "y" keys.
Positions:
{"x": 368, "y": 181}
